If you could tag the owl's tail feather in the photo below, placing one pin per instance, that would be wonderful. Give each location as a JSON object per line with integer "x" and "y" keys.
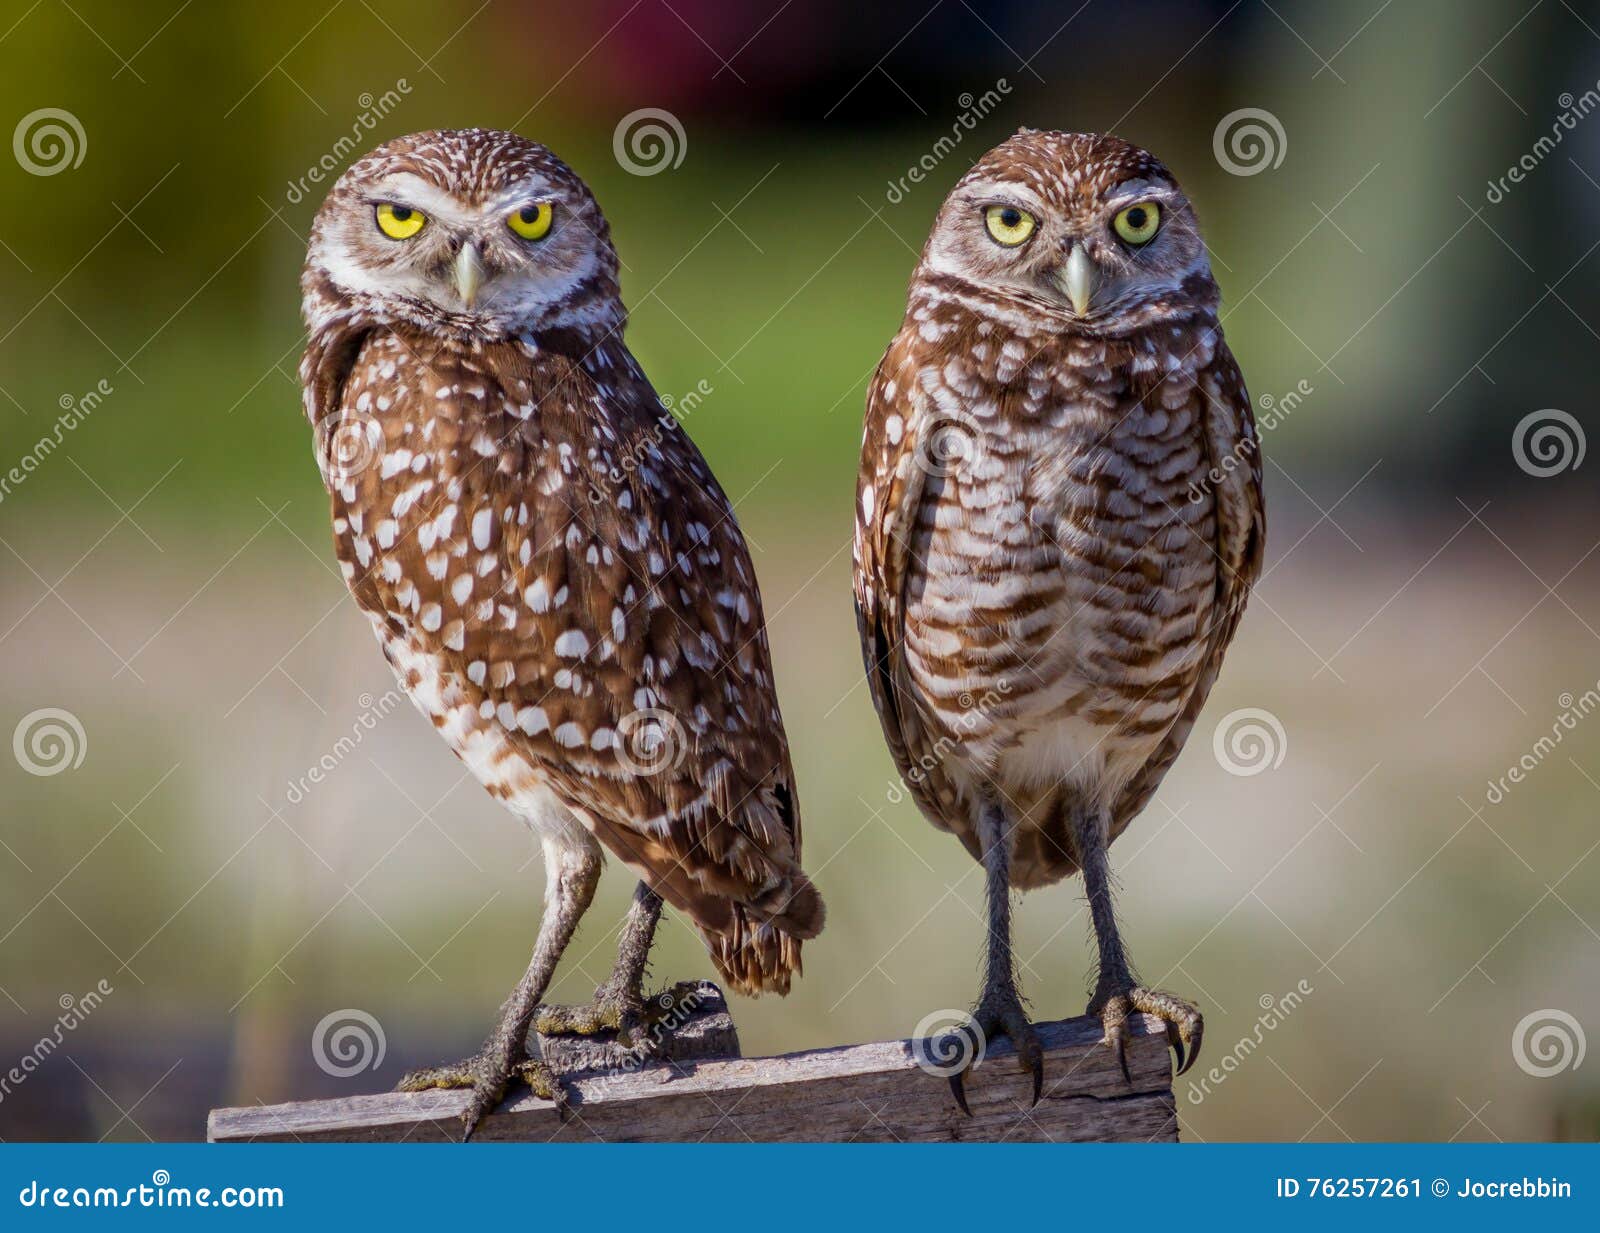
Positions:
{"x": 758, "y": 950}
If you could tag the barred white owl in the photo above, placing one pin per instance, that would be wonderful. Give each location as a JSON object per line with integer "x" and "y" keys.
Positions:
{"x": 1058, "y": 522}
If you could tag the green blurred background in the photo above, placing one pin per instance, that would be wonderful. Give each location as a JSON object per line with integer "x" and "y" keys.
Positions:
{"x": 166, "y": 575}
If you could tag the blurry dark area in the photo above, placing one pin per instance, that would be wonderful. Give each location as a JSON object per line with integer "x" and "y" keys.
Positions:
{"x": 1398, "y": 300}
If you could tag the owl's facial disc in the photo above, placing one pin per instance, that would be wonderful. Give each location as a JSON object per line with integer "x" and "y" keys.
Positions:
{"x": 1105, "y": 259}
{"x": 503, "y": 262}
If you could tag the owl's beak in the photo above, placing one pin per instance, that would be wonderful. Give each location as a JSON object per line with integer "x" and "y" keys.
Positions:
{"x": 468, "y": 274}
{"x": 1077, "y": 279}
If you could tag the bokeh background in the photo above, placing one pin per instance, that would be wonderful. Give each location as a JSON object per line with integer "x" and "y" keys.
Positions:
{"x": 1427, "y": 615}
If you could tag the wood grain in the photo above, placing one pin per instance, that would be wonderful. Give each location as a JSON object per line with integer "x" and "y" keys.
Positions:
{"x": 856, "y": 1093}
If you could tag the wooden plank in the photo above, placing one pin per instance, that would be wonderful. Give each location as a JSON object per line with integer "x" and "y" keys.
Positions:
{"x": 858, "y": 1093}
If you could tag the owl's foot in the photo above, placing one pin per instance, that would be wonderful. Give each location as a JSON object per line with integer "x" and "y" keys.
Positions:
{"x": 643, "y": 1025}
{"x": 999, "y": 1013}
{"x": 488, "y": 1073}
{"x": 1185, "y": 1025}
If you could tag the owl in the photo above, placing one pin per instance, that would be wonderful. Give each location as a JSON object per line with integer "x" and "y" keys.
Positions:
{"x": 549, "y": 567}
{"x": 1058, "y": 522}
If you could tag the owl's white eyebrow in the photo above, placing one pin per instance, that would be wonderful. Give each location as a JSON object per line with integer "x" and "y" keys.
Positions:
{"x": 416, "y": 192}
{"x": 1141, "y": 190}
{"x": 520, "y": 194}
{"x": 1001, "y": 193}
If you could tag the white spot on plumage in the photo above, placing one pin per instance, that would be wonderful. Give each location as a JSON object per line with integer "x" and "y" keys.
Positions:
{"x": 572, "y": 644}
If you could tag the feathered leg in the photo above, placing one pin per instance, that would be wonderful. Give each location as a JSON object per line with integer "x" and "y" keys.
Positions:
{"x": 1117, "y": 992}
{"x": 572, "y": 872}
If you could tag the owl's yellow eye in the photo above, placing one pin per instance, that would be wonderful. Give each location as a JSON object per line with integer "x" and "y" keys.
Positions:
{"x": 399, "y": 222}
{"x": 1008, "y": 225}
{"x": 1138, "y": 223}
{"x": 532, "y": 222}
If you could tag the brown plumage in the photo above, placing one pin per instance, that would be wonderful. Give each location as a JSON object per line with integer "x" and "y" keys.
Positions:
{"x": 549, "y": 566}
{"x": 1059, "y": 519}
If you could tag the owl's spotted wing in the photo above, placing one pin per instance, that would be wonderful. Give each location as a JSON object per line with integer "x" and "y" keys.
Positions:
{"x": 561, "y": 551}
{"x": 889, "y": 492}
{"x": 1233, "y": 452}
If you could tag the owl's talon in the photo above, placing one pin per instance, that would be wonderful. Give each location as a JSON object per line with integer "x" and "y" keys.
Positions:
{"x": 958, "y": 1089}
{"x": 1184, "y": 1024}
{"x": 488, "y": 1075}
{"x": 999, "y": 1013}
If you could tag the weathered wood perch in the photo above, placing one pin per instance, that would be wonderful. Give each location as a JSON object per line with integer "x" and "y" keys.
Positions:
{"x": 856, "y": 1093}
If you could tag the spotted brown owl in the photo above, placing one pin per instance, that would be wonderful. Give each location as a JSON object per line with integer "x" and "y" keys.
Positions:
{"x": 551, "y": 570}
{"x": 1058, "y": 522}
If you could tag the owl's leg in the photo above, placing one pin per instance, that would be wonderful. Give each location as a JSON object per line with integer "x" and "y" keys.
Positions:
{"x": 572, "y": 872}
{"x": 619, "y": 1004}
{"x": 1117, "y": 992}
{"x": 1000, "y": 1009}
